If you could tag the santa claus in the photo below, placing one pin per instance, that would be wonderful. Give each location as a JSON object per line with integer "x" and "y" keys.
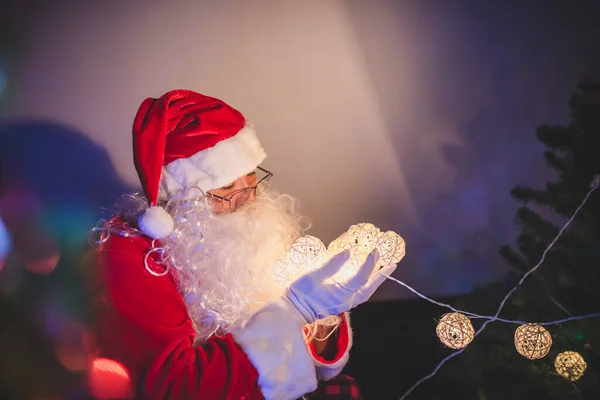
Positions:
{"x": 186, "y": 300}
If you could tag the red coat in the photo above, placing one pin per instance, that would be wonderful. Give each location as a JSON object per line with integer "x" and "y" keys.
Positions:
{"x": 143, "y": 324}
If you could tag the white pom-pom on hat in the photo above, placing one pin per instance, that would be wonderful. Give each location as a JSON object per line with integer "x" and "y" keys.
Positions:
{"x": 156, "y": 222}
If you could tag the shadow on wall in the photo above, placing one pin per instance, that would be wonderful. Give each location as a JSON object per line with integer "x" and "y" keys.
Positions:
{"x": 463, "y": 89}
{"x": 54, "y": 184}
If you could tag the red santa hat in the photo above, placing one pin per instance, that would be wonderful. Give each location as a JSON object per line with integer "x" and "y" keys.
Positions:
{"x": 185, "y": 139}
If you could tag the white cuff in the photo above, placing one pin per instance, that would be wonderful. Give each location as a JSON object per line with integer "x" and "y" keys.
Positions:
{"x": 274, "y": 343}
{"x": 328, "y": 370}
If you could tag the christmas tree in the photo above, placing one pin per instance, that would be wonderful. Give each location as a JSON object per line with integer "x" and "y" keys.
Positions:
{"x": 568, "y": 282}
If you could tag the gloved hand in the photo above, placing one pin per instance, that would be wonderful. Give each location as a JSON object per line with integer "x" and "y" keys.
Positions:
{"x": 314, "y": 299}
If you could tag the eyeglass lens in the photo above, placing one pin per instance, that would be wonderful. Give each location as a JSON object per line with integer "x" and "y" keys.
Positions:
{"x": 241, "y": 197}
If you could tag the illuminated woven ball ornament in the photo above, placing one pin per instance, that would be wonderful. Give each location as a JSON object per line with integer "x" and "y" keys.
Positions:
{"x": 306, "y": 254}
{"x": 309, "y": 253}
{"x": 455, "y": 330}
{"x": 570, "y": 365}
{"x": 532, "y": 341}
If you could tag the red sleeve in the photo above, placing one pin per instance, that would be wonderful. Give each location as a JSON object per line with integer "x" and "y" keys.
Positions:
{"x": 147, "y": 329}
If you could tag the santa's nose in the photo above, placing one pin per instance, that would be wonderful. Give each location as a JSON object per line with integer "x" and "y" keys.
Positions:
{"x": 252, "y": 196}
{"x": 247, "y": 195}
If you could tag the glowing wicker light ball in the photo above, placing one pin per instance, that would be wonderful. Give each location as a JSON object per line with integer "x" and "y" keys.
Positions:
{"x": 391, "y": 248}
{"x": 306, "y": 254}
{"x": 570, "y": 365}
{"x": 360, "y": 240}
{"x": 284, "y": 273}
{"x": 363, "y": 238}
{"x": 455, "y": 330}
{"x": 309, "y": 253}
{"x": 532, "y": 341}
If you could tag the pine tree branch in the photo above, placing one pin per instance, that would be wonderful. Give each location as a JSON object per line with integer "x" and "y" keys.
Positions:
{"x": 532, "y": 223}
{"x": 553, "y": 299}
{"x": 527, "y": 194}
{"x": 555, "y": 162}
{"x": 514, "y": 259}
{"x": 556, "y": 137}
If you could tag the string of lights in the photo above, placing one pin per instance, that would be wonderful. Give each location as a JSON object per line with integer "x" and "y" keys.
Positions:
{"x": 455, "y": 329}
{"x": 568, "y": 364}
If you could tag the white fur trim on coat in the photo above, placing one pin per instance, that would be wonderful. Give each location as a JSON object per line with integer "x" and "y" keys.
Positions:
{"x": 274, "y": 343}
{"x": 326, "y": 371}
{"x": 214, "y": 167}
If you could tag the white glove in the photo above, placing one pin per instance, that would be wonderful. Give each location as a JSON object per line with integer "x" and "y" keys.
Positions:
{"x": 314, "y": 299}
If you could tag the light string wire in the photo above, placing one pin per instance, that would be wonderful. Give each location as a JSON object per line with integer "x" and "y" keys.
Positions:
{"x": 594, "y": 185}
{"x": 475, "y": 316}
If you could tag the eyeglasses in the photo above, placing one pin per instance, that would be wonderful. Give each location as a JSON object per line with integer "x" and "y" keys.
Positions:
{"x": 239, "y": 197}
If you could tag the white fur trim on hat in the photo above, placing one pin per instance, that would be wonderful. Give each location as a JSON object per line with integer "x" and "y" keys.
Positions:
{"x": 156, "y": 222}
{"x": 274, "y": 343}
{"x": 214, "y": 167}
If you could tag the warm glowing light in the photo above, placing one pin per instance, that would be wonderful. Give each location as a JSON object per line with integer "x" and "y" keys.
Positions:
{"x": 44, "y": 266}
{"x": 309, "y": 253}
{"x": 455, "y": 330}
{"x": 570, "y": 365}
{"x": 532, "y": 341}
{"x": 70, "y": 344}
{"x": 109, "y": 380}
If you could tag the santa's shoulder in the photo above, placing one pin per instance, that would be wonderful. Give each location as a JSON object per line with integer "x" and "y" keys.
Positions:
{"x": 124, "y": 255}
{"x": 120, "y": 264}
{"x": 122, "y": 237}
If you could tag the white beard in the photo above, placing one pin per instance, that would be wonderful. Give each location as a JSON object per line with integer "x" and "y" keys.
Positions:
{"x": 224, "y": 263}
